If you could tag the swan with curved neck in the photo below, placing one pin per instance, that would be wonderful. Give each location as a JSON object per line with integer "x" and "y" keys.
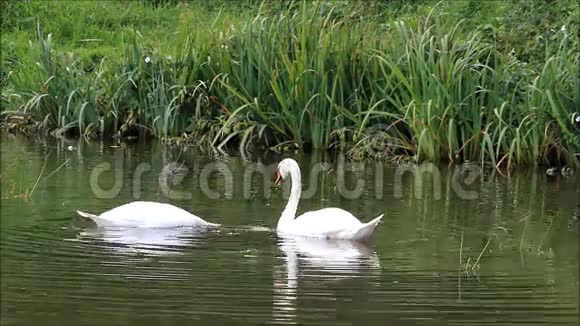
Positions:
{"x": 329, "y": 223}
{"x": 147, "y": 214}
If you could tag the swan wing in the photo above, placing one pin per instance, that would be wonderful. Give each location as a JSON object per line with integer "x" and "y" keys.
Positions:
{"x": 333, "y": 223}
{"x": 327, "y": 222}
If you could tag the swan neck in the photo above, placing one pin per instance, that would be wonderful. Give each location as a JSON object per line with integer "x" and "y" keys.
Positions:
{"x": 289, "y": 212}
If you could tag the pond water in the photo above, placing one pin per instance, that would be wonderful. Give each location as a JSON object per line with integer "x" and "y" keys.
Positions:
{"x": 456, "y": 248}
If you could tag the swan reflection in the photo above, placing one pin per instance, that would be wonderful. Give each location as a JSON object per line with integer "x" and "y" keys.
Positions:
{"x": 320, "y": 260}
{"x": 135, "y": 253}
{"x": 148, "y": 241}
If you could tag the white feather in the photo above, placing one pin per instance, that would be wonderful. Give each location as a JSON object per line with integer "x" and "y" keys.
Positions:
{"x": 148, "y": 215}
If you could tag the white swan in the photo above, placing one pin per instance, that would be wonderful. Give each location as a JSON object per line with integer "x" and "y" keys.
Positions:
{"x": 147, "y": 214}
{"x": 329, "y": 223}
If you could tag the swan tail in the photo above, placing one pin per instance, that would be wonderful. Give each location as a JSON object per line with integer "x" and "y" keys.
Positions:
{"x": 365, "y": 232}
{"x": 213, "y": 225}
{"x": 88, "y": 215}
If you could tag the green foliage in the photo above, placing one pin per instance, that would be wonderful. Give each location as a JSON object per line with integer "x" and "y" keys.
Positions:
{"x": 384, "y": 79}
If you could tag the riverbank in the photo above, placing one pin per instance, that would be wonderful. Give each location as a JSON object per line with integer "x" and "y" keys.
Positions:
{"x": 383, "y": 80}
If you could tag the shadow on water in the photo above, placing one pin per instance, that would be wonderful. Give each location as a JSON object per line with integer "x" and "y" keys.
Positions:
{"x": 507, "y": 256}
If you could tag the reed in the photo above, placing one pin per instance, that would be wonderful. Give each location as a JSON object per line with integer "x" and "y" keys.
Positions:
{"x": 308, "y": 76}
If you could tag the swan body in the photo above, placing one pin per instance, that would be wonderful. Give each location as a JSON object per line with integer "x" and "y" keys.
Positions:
{"x": 329, "y": 223}
{"x": 147, "y": 214}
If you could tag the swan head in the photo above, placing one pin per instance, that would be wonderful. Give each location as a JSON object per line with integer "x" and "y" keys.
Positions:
{"x": 284, "y": 168}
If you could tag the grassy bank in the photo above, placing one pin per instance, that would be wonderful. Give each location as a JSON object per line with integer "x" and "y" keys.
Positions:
{"x": 381, "y": 79}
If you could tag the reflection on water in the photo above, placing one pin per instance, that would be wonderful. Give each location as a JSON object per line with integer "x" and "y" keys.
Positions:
{"x": 137, "y": 251}
{"x": 320, "y": 259}
{"x": 147, "y": 241}
{"x": 335, "y": 256}
{"x": 521, "y": 232}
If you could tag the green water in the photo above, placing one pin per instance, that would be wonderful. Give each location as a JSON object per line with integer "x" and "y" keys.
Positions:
{"x": 419, "y": 269}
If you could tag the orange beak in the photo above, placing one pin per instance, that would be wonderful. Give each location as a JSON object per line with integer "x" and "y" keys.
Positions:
{"x": 278, "y": 179}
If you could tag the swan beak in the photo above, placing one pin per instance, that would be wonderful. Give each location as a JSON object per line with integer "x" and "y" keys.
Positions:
{"x": 278, "y": 179}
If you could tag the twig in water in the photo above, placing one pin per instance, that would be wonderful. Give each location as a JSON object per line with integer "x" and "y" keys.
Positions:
{"x": 38, "y": 181}
{"x": 481, "y": 254}
{"x": 461, "y": 248}
{"x": 28, "y": 194}
{"x": 459, "y": 271}
{"x": 56, "y": 170}
{"x": 524, "y": 231}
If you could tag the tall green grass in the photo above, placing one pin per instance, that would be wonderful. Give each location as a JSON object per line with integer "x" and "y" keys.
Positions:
{"x": 462, "y": 100}
{"x": 310, "y": 76}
